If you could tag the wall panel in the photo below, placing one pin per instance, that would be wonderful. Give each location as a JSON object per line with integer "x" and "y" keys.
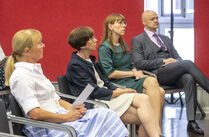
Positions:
{"x": 56, "y": 18}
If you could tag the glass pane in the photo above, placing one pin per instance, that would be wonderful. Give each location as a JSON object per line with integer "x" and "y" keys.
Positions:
{"x": 167, "y": 7}
{"x": 190, "y": 6}
{"x": 183, "y": 45}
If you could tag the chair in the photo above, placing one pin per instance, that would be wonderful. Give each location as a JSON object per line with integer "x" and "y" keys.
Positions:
{"x": 64, "y": 89}
{"x": 16, "y": 121}
{"x": 174, "y": 89}
{"x": 2, "y": 134}
{"x": 4, "y": 127}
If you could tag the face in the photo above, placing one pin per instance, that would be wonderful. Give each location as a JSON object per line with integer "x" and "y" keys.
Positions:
{"x": 150, "y": 21}
{"x": 118, "y": 27}
{"x": 36, "y": 52}
{"x": 92, "y": 44}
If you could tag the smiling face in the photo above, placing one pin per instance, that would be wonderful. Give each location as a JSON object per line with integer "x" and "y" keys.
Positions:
{"x": 150, "y": 20}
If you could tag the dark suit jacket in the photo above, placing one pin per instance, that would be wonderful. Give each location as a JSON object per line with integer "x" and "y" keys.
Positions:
{"x": 80, "y": 73}
{"x": 145, "y": 57}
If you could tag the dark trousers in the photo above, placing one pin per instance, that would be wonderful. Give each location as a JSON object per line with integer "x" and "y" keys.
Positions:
{"x": 184, "y": 74}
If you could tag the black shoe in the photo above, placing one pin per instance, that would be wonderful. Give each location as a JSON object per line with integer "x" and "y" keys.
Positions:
{"x": 194, "y": 128}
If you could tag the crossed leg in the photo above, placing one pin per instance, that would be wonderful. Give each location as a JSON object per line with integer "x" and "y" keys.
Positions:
{"x": 156, "y": 95}
{"x": 141, "y": 112}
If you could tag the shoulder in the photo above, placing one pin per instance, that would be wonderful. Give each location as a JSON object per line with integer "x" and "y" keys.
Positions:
{"x": 125, "y": 44}
{"x": 74, "y": 62}
{"x": 163, "y": 37}
{"x": 21, "y": 75}
{"x": 105, "y": 46}
{"x": 140, "y": 36}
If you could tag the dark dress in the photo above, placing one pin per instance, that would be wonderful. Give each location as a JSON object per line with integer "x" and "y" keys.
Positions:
{"x": 111, "y": 61}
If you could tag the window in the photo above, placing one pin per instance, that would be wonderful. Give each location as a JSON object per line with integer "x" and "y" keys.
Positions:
{"x": 183, "y": 23}
{"x": 166, "y": 10}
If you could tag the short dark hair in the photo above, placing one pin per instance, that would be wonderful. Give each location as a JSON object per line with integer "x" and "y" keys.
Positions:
{"x": 79, "y": 37}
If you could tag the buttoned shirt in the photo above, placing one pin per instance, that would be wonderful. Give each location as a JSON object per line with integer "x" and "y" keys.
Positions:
{"x": 32, "y": 89}
{"x": 150, "y": 34}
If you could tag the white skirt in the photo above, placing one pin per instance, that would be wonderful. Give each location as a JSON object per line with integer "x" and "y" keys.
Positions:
{"x": 119, "y": 104}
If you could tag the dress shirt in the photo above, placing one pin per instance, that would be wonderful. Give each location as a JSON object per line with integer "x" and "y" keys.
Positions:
{"x": 32, "y": 89}
{"x": 150, "y": 34}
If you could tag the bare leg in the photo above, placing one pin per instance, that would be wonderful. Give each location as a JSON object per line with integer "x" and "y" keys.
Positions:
{"x": 142, "y": 132}
{"x": 141, "y": 111}
{"x": 162, "y": 91}
{"x": 153, "y": 90}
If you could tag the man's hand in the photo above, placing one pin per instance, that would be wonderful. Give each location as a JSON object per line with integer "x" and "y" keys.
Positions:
{"x": 169, "y": 60}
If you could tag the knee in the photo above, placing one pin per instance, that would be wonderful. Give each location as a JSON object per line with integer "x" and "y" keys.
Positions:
{"x": 188, "y": 78}
{"x": 188, "y": 63}
{"x": 141, "y": 98}
{"x": 162, "y": 92}
{"x": 150, "y": 81}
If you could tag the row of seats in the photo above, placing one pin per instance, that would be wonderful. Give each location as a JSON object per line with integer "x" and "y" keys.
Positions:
{"x": 12, "y": 124}
{"x": 9, "y": 122}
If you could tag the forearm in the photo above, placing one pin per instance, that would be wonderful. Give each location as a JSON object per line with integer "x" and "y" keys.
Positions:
{"x": 117, "y": 92}
{"x": 40, "y": 114}
{"x": 64, "y": 104}
{"x": 121, "y": 74}
{"x": 149, "y": 64}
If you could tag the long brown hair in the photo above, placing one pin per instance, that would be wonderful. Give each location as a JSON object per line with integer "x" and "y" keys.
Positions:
{"x": 107, "y": 34}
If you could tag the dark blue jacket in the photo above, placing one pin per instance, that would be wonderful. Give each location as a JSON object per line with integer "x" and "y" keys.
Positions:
{"x": 80, "y": 73}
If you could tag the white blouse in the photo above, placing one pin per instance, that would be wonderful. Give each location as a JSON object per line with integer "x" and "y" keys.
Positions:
{"x": 32, "y": 89}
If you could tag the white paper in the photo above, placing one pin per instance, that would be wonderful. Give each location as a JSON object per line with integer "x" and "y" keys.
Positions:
{"x": 83, "y": 96}
{"x": 2, "y": 55}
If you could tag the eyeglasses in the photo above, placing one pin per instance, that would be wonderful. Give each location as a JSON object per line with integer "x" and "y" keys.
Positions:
{"x": 93, "y": 39}
{"x": 122, "y": 23}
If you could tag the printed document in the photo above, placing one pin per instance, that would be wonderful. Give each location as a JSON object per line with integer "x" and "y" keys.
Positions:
{"x": 83, "y": 96}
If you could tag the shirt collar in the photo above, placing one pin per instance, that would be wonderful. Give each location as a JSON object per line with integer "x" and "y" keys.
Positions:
{"x": 30, "y": 66}
{"x": 149, "y": 33}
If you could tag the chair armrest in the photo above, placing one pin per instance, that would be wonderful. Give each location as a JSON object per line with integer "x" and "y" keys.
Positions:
{"x": 119, "y": 86}
{"x": 2, "y": 134}
{"x": 5, "y": 92}
{"x": 88, "y": 101}
{"x": 23, "y": 120}
{"x": 149, "y": 73}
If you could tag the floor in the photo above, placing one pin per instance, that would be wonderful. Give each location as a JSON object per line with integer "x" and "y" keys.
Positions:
{"x": 174, "y": 122}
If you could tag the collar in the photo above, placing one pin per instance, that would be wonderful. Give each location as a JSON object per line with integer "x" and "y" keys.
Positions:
{"x": 30, "y": 66}
{"x": 150, "y": 33}
{"x": 93, "y": 58}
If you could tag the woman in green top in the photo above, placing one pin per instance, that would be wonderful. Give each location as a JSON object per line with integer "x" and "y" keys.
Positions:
{"x": 116, "y": 64}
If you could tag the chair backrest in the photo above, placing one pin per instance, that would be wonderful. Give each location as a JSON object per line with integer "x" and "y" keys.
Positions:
{"x": 64, "y": 88}
{"x": 171, "y": 89}
{"x": 4, "y": 126}
{"x": 63, "y": 84}
{"x": 17, "y": 111}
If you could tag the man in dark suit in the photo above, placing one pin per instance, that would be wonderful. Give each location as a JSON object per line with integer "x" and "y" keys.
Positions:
{"x": 154, "y": 52}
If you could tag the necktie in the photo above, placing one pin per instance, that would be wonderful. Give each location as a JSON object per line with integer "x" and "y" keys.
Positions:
{"x": 162, "y": 45}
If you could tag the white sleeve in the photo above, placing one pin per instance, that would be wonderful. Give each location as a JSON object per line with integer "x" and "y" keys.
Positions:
{"x": 23, "y": 89}
{"x": 56, "y": 97}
